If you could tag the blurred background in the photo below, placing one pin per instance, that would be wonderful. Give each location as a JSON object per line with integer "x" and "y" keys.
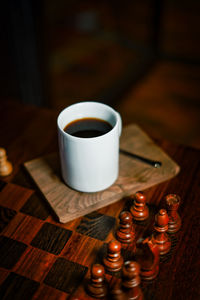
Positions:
{"x": 142, "y": 57}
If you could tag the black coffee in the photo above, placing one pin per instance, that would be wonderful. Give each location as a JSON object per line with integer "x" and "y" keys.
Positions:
{"x": 88, "y": 127}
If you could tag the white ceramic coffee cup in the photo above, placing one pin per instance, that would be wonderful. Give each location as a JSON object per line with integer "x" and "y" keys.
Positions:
{"x": 89, "y": 164}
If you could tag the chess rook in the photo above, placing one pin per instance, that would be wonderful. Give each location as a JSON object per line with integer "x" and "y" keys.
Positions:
{"x": 139, "y": 209}
{"x": 125, "y": 233}
{"x": 113, "y": 261}
{"x": 97, "y": 286}
{"x": 160, "y": 236}
{"x": 172, "y": 203}
{"x": 5, "y": 166}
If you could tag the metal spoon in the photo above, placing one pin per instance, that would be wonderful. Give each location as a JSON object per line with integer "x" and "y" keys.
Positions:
{"x": 153, "y": 163}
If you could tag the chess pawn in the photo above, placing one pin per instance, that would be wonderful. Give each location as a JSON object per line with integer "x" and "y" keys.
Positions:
{"x": 125, "y": 233}
{"x": 139, "y": 209}
{"x": 173, "y": 202}
{"x": 148, "y": 256}
{"x": 97, "y": 286}
{"x": 131, "y": 280}
{"x": 113, "y": 261}
{"x": 5, "y": 166}
{"x": 160, "y": 236}
{"x": 116, "y": 292}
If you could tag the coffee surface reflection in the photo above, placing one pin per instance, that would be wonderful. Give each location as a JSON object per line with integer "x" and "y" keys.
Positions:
{"x": 87, "y": 127}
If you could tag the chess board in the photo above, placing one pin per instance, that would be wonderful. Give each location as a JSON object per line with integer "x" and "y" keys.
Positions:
{"x": 43, "y": 259}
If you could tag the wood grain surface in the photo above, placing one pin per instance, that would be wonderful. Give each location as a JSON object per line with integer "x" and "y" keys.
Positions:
{"x": 134, "y": 175}
{"x": 42, "y": 259}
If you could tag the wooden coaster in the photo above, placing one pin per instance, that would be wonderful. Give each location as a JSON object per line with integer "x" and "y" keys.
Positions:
{"x": 134, "y": 175}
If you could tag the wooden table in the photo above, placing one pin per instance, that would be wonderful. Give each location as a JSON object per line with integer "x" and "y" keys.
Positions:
{"x": 43, "y": 259}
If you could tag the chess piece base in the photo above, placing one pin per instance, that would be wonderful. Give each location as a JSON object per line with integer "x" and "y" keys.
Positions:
{"x": 113, "y": 266}
{"x": 125, "y": 238}
{"x": 174, "y": 226}
{"x": 164, "y": 244}
{"x": 96, "y": 292}
{"x": 150, "y": 274}
{"x": 140, "y": 215}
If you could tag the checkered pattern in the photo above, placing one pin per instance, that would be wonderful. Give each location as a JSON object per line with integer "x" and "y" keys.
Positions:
{"x": 38, "y": 254}
{"x": 40, "y": 258}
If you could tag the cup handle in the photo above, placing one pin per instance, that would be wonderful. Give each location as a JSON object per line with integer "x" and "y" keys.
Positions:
{"x": 119, "y": 119}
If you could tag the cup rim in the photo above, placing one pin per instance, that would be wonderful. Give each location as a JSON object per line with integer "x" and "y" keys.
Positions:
{"x": 81, "y": 138}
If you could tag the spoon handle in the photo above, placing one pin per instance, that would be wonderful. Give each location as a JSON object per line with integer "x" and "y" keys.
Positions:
{"x": 153, "y": 163}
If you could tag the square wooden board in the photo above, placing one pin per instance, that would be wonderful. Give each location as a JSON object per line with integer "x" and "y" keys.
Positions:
{"x": 134, "y": 175}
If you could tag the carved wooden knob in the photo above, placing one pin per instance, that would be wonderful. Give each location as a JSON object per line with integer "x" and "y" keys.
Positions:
{"x": 131, "y": 269}
{"x": 114, "y": 246}
{"x": 113, "y": 261}
{"x": 125, "y": 217}
{"x": 140, "y": 198}
{"x": 139, "y": 209}
{"x": 97, "y": 271}
{"x": 125, "y": 233}
{"x": 97, "y": 286}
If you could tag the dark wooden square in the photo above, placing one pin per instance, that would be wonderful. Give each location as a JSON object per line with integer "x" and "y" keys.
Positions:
{"x": 51, "y": 238}
{"x": 10, "y": 252}
{"x": 19, "y": 287}
{"x": 96, "y": 225}
{"x": 35, "y": 207}
{"x": 65, "y": 275}
{"x": 6, "y": 215}
{"x": 23, "y": 179}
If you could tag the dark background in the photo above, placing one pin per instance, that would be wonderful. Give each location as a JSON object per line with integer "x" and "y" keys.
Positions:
{"x": 141, "y": 57}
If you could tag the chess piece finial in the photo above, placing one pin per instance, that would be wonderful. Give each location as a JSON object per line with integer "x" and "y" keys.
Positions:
{"x": 173, "y": 202}
{"x": 97, "y": 286}
{"x": 160, "y": 237}
{"x": 125, "y": 233}
{"x": 131, "y": 280}
{"x": 148, "y": 256}
{"x": 5, "y": 166}
{"x": 139, "y": 209}
{"x": 113, "y": 261}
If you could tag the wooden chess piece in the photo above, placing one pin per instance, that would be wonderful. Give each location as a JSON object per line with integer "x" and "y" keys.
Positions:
{"x": 139, "y": 209}
{"x": 116, "y": 292}
{"x": 148, "y": 256}
{"x": 97, "y": 286}
{"x": 5, "y": 166}
{"x": 160, "y": 236}
{"x": 131, "y": 280}
{"x": 125, "y": 233}
{"x": 172, "y": 203}
{"x": 128, "y": 288}
{"x": 113, "y": 261}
